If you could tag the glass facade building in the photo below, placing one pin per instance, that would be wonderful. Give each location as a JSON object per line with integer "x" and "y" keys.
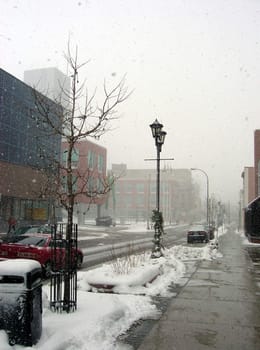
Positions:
{"x": 22, "y": 140}
{"x": 27, "y": 146}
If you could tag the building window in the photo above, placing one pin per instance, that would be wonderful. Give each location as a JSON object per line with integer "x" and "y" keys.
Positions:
{"x": 65, "y": 183}
{"x": 64, "y": 157}
{"x": 129, "y": 187}
{"x": 100, "y": 185}
{"x": 74, "y": 158}
{"x": 91, "y": 184}
{"x": 153, "y": 188}
{"x": 164, "y": 187}
{"x": 91, "y": 159}
{"x": 129, "y": 202}
{"x": 152, "y": 200}
{"x": 100, "y": 163}
{"x": 140, "y": 200}
{"x": 140, "y": 188}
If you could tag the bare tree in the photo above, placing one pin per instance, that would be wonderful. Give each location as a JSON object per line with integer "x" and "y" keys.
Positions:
{"x": 73, "y": 123}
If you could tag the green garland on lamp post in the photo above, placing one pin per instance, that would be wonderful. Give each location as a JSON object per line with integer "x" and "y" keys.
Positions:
{"x": 157, "y": 219}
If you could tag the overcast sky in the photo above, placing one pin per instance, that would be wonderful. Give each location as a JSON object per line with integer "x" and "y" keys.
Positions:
{"x": 193, "y": 64}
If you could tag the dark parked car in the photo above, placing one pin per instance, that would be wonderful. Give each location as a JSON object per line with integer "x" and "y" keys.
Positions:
{"x": 37, "y": 247}
{"x": 197, "y": 233}
{"x": 104, "y": 221}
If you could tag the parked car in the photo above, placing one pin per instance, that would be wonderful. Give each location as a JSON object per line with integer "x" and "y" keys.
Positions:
{"x": 197, "y": 233}
{"x": 38, "y": 247}
{"x": 104, "y": 221}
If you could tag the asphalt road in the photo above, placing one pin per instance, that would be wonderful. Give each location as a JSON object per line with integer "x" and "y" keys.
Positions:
{"x": 93, "y": 236}
{"x": 101, "y": 244}
{"x": 104, "y": 244}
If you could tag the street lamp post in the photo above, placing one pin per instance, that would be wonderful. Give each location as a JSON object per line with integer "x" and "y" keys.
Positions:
{"x": 204, "y": 172}
{"x": 159, "y": 136}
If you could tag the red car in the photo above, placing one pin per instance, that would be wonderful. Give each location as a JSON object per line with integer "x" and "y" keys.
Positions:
{"x": 39, "y": 247}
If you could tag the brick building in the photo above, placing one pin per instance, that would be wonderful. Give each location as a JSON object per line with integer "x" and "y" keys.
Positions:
{"x": 89, "y": 169}
{"x": 249, "y": 192}
{"x": 251, "y": 180}
{"x": 134, "y": 195}
{"x": 257, "y": 162}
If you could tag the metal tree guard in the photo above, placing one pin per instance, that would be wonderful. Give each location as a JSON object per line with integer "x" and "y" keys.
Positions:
{"x": 159, "y": 136}
{"x": 60, "y": 300}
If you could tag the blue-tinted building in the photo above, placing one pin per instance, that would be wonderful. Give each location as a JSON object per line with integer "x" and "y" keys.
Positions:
{"x": 22, "y": 140}
{"x": 28, "y": 149}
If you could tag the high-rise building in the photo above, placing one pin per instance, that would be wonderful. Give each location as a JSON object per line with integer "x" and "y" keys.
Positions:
{"x": 51, "y": 82}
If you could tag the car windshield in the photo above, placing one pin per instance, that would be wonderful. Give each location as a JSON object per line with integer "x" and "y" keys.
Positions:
{"x": 197, "y": 228}
{"x": 39, "y": 229}
{"x": 21, "y": 230}
{"x": 26, "y": 240}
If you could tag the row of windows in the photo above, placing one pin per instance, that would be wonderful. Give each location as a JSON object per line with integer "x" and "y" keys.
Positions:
{"x": 92, "y": 184}
{"x": 91, "y": 159}
{"x": 140, "y": 188}
{"x": 133, "y": 213}
{"x": 137, "y": 201}
{"x": 24, "y": 209}
{"x": 22, "y": 153}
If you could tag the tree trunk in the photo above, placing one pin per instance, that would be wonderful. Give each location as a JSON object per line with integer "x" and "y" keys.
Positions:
{"x": 68, "y": 255}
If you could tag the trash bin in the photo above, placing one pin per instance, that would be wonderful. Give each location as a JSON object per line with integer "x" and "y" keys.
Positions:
{"x": 21, "y": 300}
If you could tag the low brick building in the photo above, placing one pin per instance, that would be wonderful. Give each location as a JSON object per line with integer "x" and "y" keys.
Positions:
{"x": 89, "y": 168}
{"x": 134, "y": 195}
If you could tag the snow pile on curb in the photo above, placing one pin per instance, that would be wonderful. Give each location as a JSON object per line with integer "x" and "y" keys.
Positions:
{"x": 152, "y": 277}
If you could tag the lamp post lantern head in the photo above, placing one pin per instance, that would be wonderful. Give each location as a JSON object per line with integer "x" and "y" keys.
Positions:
{"x": 158, "y": 134}
{"x": 156, "y": 128}
{"x": 161, "y": 137}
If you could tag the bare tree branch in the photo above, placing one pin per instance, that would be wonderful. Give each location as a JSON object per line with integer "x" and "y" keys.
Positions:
{"x": 80, "y": 118}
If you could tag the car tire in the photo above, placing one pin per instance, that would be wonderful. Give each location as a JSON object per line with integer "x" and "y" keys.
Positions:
{"x": 12, "y": 341}
{"x": 79, "y": 261}
{"x": 47, "y": 269}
